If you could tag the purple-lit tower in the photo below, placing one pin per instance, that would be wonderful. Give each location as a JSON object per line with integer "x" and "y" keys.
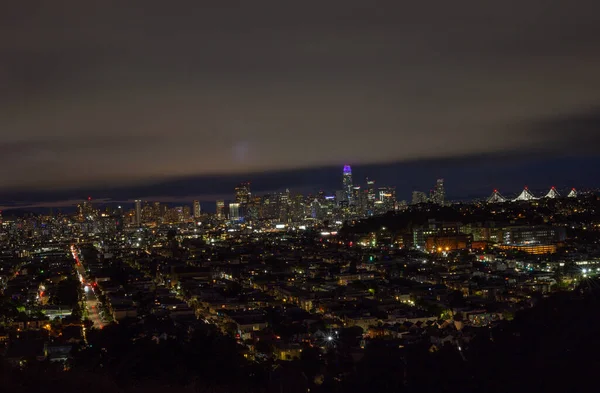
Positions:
{"x": 347, "y": 182}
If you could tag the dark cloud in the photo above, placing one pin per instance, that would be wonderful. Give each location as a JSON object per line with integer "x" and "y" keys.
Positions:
{"x": 573, "y": 132}
{"x": 112, "y": 94}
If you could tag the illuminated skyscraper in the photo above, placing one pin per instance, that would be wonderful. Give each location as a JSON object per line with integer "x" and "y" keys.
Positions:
{"x": 220, "y": 209}
{"x": 439, "y": 194}
{"x": 284, "y": 205}
{"x": 387, "y": 197}
{"x": 370, "y": 197}
{"x": 341, "y": 198}
{"x": 298, "y": 209}
{"x": 234, "y": 211}
{"x": 158, "y": 211}
{"x": 242, "y": 193}
{"x": 347, "y": 183}
{"x": 197, "y": 210}
{"x": 147, "y": 212}
{"x": 270, "y": 206}
{"x": 138, "y": 212}
{"x": 355, "y": 195}
{"x": 86, "y": 210}
{"x": 315, "y": 209}
{"x": 253, "y": 210}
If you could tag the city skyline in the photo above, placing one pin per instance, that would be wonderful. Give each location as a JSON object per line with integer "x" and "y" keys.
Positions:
{"x": 240, "y": 193}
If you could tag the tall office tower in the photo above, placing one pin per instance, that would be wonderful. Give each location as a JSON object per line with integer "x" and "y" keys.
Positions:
{"x": 418, "y": 197}
{"x": 347, "y": 183}
{"x": 439, "y": 194}
{"x": 138, "y": 212}
{"x": 197, "y": 210}
{"x": 148, "y": 212}
{"x": 387, "y": 196}
{"x": 220, "y": 209}
{"x": 269, "y": 207}
{"x": 355, "y": 195}
{"x": 80, "y": 214}
{"x": 284, "y": 206}
{"x": 370, "y": 208}
{"x": 284, "y": 197}
{"x": 297, "y": 208}
{"x": 361, "y": 204}
{"x": 89, "y": 208}
{"x": 242, "y": 193}
{"x": 234, "y": 211}
{"x": 315, "y": 209}
{"x": 340, "y": 198}
{"x": 158, "y": 211}
{"x": 253, "y": 210}
{"x": 328, "y": 207}
{"x": 86, "y": 209}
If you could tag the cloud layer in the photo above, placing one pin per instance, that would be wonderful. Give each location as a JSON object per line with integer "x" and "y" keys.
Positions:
{"x": 112, "y": 93}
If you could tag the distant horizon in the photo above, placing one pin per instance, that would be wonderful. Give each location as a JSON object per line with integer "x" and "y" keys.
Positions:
{"x": 464, "y": 179}
{"x": 209, "y": 205}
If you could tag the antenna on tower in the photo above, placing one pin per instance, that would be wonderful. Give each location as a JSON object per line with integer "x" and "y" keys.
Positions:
{"x": 496, "y": 197}
{"x": 553, "y": 194}
{"x": 525, "y": 195}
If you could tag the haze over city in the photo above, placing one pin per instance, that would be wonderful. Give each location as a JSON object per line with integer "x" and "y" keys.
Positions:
{"x": 101, "y": 96}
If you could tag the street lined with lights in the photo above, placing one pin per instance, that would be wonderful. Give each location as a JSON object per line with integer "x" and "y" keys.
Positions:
{"x": 91, "y": 300}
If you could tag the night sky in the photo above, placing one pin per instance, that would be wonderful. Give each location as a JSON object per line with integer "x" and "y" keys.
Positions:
{"x": 174, "y": 99}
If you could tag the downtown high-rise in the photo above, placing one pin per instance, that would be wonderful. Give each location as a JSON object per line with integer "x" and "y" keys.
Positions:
{"x": 197, "y": 210}
{"x": 439, "y": 194}
{"x": 243, "y": 194}
{"x": 347, "y": 183}
{"x": 138, "y": 212}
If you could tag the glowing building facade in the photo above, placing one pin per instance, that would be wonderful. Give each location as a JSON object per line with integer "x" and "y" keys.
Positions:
{"x": 242, "y": 193}
{"x": 220, "y": 209}
{"x": 347, "y": 183}
{"x": 197, "y": 209}
{"x": 138, "y": 212}
{"x": 439, "y": 193}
